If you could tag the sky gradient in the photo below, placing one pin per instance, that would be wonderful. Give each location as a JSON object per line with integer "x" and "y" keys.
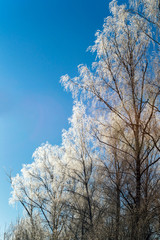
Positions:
{"x": 39, "y": 42}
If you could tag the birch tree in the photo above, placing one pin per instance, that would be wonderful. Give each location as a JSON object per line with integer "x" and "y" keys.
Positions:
{"x": 103, "y": 181}
{"x": 80, "y": 160}
{"x": 40, "y": 187}
{"x": 123, "y": 81}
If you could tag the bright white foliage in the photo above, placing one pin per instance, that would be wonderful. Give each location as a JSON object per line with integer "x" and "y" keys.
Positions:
{"x": 39, "y": 177}
{"x": 122, "y": 85}
{"x": 112, "y": 48}
{"x": 78, "y": 142}
{"x": 149, "y": 8}
{"x": 122, "y": 94}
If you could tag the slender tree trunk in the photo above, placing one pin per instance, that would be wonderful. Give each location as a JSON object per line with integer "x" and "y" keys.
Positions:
{"x": 117, "y": 212}
{"x": 138, "y": 198}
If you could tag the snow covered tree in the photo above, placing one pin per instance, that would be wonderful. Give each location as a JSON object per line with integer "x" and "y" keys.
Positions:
{"x": 41, "y": 188}
{"x": 23, "y": 230}
{"x": 149, "y": 10}
{"x": 124, "y": 82}
{"x": 103, "y": 181}
{"x": 79, "y": 159}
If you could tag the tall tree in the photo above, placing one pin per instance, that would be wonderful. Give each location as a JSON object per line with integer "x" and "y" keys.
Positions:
{"x": 80, "y": 161}
{"x": 123, "y": 82}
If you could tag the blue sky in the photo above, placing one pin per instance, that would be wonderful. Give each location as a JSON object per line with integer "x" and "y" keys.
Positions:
{"x": 39, "y": 42}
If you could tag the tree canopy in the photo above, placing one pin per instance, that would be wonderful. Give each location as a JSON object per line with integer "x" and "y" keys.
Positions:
{"x": 103, "y": 181}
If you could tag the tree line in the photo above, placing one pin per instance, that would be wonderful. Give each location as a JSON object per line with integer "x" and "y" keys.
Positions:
{"x": 103, "y": 181}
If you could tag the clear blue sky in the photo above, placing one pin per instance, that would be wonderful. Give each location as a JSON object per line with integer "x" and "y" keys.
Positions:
{"x": 39, "y": 42}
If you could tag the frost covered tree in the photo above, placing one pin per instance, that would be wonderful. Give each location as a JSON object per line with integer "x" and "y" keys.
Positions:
{"x": 40, "y": 187}
{"x": 103, "y": 181}
{"x": 124, "y": 82}
{"x": 22, "y": 229}
{"x": 117, "y": 147}
{"x": 149, "y": 10}
{"x": 80, "y": 160}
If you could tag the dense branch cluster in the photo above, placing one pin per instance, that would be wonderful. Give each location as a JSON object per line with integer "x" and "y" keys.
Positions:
{"x": 103, "y": 182}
